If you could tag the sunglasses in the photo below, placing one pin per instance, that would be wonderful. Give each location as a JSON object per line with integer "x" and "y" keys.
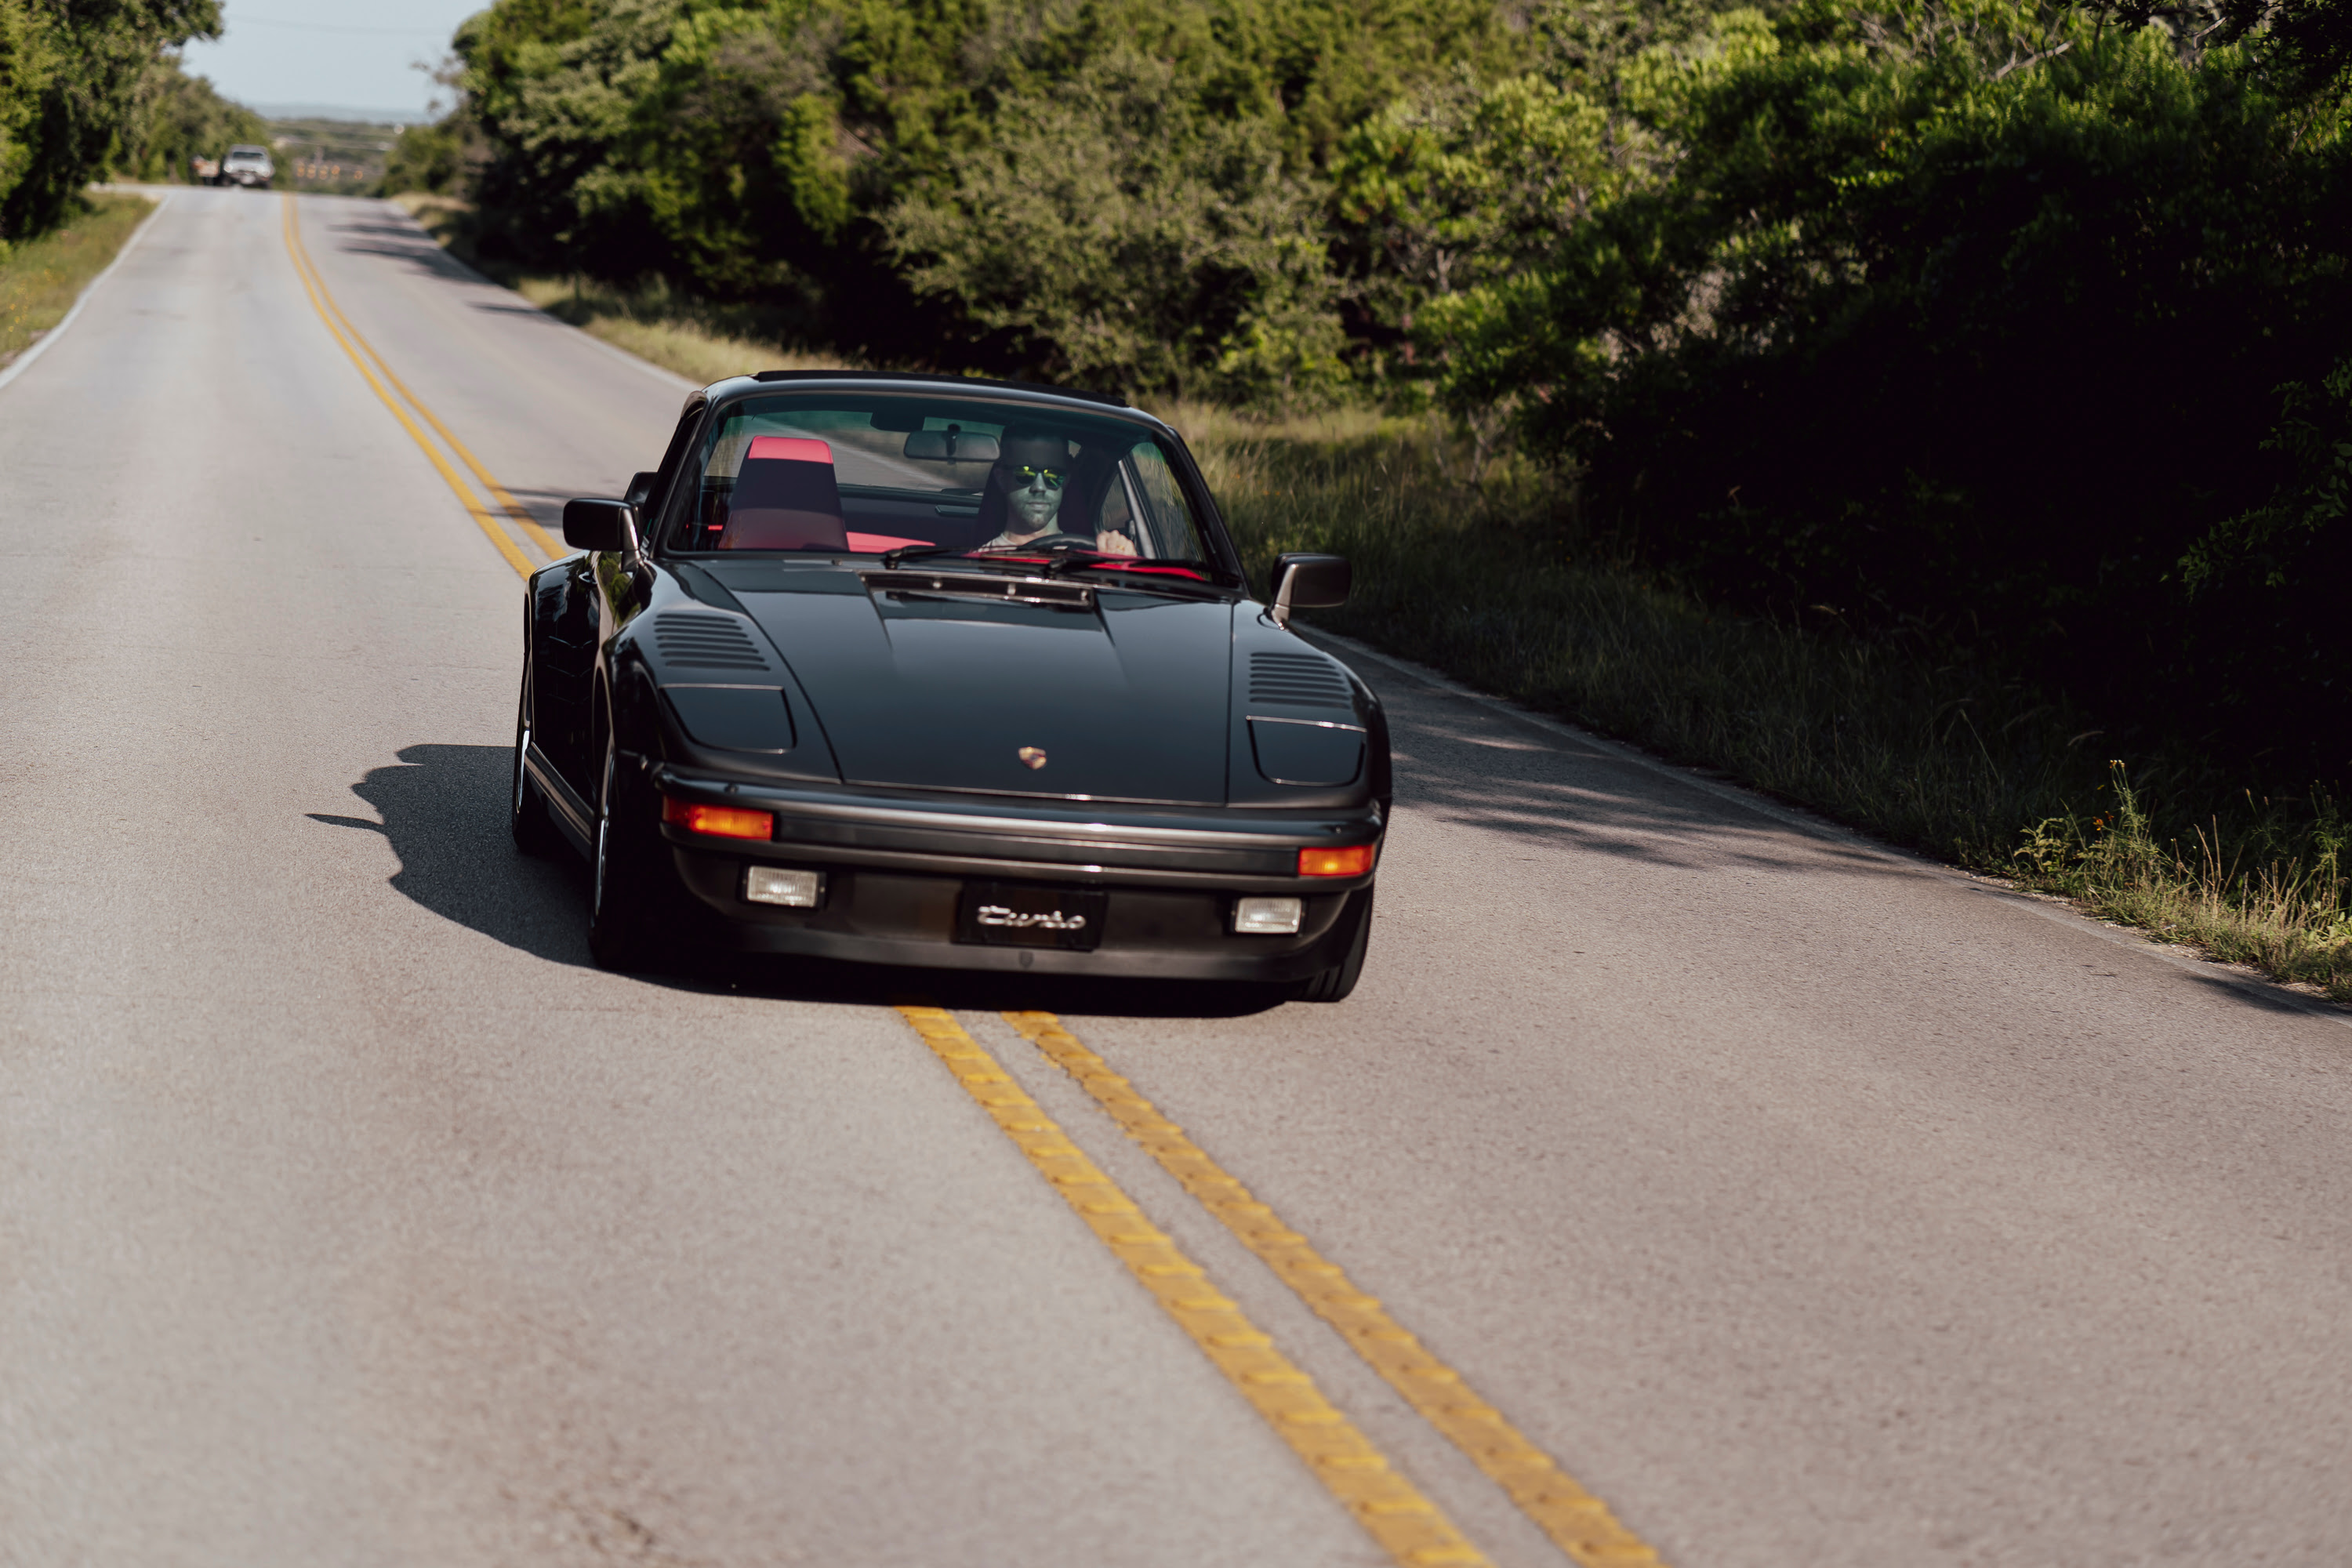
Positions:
{"x": 1051, "y": 477}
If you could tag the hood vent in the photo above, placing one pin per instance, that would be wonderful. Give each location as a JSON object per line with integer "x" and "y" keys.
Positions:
{"x": 1297, "y": 680}
{"x": 981, "y": 586}
{"x": 688, "y": 640}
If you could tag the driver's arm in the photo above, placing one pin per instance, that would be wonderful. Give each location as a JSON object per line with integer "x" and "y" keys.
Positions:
{"x": 1113, "y": 519}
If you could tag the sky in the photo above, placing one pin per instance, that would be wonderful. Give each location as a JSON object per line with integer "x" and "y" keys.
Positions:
{"x": 356, "y": 57}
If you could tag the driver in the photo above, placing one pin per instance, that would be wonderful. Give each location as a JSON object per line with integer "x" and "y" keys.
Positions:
{"x": 1033, "y": 467}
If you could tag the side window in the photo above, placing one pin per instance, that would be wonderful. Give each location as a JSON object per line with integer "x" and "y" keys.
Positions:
{"x": 666, "y": 489}
{"x": 1161, "y": 501}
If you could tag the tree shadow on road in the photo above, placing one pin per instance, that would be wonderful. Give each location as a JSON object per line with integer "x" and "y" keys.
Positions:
{"x": 2268, "y": 996}
{"x": 444, "y": 812}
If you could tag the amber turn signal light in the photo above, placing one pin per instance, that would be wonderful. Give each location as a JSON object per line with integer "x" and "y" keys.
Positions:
{"x": 1352, "y": 862}
{"x": 718, "y": 821}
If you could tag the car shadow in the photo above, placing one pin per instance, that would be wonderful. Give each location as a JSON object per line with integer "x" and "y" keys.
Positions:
{"x": 810, "y": 980}
{"x": 547, "y": 506}
{"x": 442, "y": 810}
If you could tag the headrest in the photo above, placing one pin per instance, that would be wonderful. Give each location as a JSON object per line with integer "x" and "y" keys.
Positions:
{"x": 789, "y": 450}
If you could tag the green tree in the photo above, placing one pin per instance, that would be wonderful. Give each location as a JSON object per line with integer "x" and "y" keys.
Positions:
{"x": 72, "y": 72}
{"x": 1461, "y": 189}
{"x": 434, "y": 157}
{"x": 1114, "y": 232}
{"x": 1961, "y": 317}
{"x": 789, "y": 152}
{"x": 175, "y": 117}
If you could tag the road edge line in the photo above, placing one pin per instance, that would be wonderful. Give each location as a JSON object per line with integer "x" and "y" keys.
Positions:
{"x": 24, "y": 361}
{"x": 2131, "y": 939}
{"x": 1413, "y": 1529}
{"x": 1576, "y": 1522}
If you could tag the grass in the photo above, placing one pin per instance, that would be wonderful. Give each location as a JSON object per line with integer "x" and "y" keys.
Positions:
{"x": 41, "y": 279}
{"x": 1492, "y": 583}
{"x": 1466, "y": 560}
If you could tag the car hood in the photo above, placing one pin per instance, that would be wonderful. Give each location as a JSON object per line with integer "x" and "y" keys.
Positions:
{"x": 1120, "y": 697}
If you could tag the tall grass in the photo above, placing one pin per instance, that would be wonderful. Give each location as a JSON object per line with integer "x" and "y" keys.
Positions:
{"x": 699, "y": 342}
{"x": 40, "y": 278}
{"x": 1492, "y": 582}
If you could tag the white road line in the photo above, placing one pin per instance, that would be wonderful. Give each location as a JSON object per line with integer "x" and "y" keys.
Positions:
{"x": 2188, "y": 960}
{"x": 25, "y": 359}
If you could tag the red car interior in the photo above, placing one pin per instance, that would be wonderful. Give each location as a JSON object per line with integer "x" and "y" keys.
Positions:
{"x": 785, "y": 498}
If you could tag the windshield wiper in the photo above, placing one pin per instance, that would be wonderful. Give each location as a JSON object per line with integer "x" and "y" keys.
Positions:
{"x": 1141, "y": 573}
{"x": 890, "y": 558}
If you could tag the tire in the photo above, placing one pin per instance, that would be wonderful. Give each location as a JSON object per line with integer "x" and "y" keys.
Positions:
{"x": 534, "y": 832}
{"x": 632, "y": 894}
{"x": 1333, "y": 984}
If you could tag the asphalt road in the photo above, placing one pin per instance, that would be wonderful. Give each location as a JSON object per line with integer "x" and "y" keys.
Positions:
{"x": 1808, "y": 1205}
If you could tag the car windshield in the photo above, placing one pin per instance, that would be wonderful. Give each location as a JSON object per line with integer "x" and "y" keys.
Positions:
{"x": 873, "y": 474}
{"x": 247, "y": 152}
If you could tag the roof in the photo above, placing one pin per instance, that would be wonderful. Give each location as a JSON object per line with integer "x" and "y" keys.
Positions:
{"x": 935, "y": 378}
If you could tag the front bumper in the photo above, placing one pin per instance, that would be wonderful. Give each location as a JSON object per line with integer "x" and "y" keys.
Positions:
{"x": 896, "y": 864}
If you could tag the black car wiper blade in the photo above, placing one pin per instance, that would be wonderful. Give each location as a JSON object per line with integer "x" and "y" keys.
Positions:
{"x": 1151, "y": 571}
{"x": 891, "y": 558}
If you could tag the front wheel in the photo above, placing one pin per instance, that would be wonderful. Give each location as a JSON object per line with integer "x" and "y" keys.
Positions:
{"x": 527, "y": 816}
{"x": 1333, "y": 984}
{"x": 626, "y": 929}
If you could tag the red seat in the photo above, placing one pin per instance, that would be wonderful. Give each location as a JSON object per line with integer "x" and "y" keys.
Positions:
{"x": 785, "y": 498}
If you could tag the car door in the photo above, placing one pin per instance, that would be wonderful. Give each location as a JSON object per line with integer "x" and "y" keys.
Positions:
{"x": 585, "y": 610}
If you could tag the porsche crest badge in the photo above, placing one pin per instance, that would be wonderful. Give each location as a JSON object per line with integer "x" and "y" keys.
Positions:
{"x": 1033, "y": 755}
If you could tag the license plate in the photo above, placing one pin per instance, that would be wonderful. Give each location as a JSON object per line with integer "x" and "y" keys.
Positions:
{"x": 1007, "y": 914}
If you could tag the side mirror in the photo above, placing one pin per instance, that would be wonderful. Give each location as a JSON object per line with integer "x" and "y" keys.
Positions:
{"x": 1304, "y": 582}
{"x": 599, "y": 524}
{"x": 641, "y": 489}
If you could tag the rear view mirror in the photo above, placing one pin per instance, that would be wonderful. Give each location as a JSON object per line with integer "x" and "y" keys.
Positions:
{"x": 953, "y": 445}
{"x": 599, "y": 524}
{"x": 1304, "y": 582}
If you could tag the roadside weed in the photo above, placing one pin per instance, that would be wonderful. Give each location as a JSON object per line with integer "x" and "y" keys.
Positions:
{"x": 1907, "y": 740}
{"x": 41, "y": 279}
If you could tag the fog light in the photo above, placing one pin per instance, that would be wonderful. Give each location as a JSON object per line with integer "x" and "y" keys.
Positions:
{"x": 1267, "y": 917}
{"x": 1354, "y": 860}
{"x": 718, "y": 821}
{"x": 774, "y": 885}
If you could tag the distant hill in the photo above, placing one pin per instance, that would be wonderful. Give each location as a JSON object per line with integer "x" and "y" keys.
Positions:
{"x": 413, "y": 115}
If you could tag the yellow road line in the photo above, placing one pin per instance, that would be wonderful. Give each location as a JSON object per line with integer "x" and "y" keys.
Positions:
{"x": 1390, "y": 1507}
{"x": 513, "y": 507}
{"x": 1578, "y": 1522}
{"x": 482, "y": 514}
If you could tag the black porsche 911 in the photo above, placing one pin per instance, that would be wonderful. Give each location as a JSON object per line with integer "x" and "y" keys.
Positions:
{"x": 934, "y": 671}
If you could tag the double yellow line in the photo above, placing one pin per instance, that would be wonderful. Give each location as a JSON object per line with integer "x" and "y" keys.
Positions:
{"x": 1413, "y": 1530}
{"x": 348, "y": 336}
